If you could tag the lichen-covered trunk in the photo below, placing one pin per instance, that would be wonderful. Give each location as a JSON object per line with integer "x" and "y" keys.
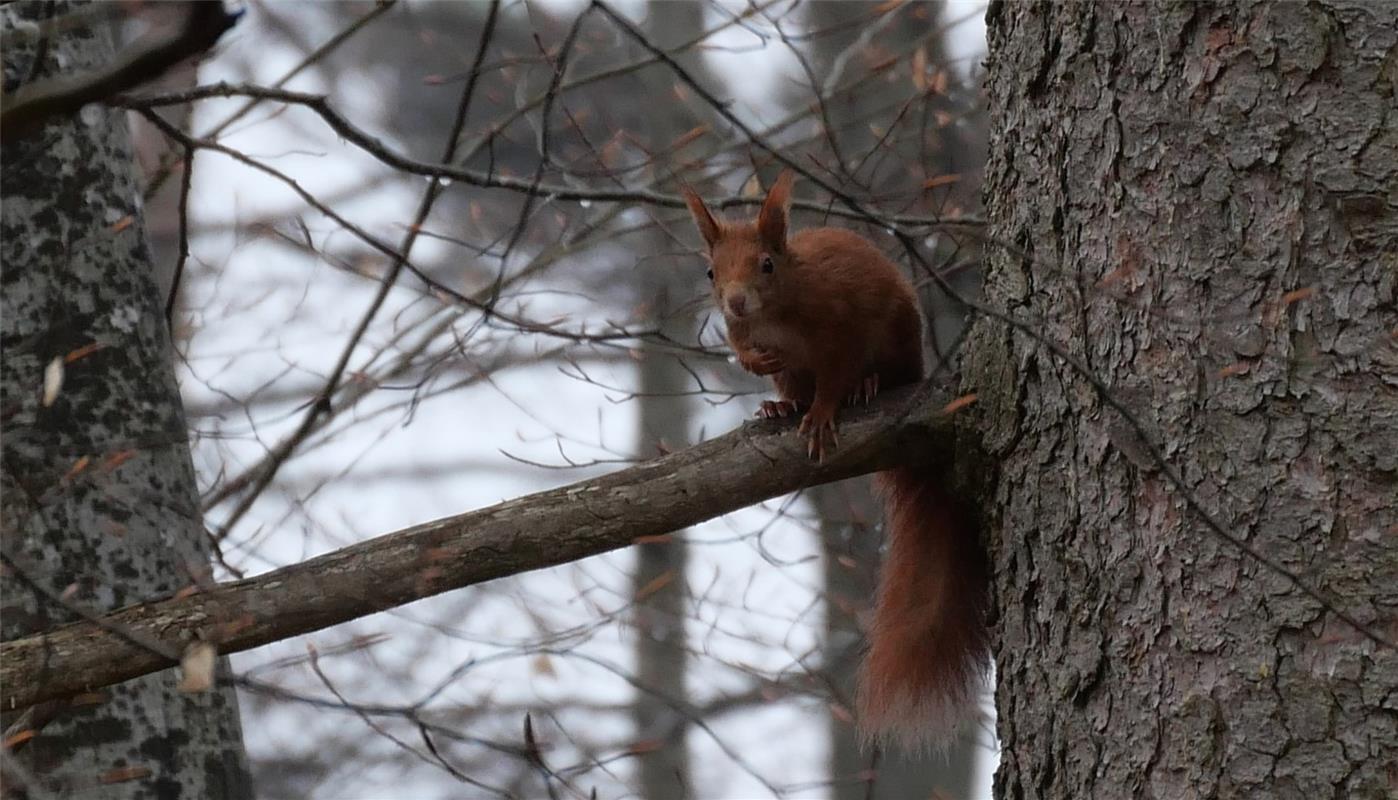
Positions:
{"x": 1201, "y": 201}
{"x": 100, "y": 504}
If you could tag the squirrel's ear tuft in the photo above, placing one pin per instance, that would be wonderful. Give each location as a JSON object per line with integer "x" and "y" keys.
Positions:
{"x": 771, "y": 220}
{"x": 709, "y": 228}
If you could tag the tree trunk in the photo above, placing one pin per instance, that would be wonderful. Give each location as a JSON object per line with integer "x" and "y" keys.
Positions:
{"x": 1204, "y": 197}
{"x": 100, "y": 502}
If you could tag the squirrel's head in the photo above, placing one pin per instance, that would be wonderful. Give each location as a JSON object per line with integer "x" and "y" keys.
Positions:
{"x": 748, "y": 261}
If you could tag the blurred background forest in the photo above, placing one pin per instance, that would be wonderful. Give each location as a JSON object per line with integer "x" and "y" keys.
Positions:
{"x": 364, "y": 347}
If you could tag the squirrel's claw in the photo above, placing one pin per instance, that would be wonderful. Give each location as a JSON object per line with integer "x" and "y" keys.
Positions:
{"x": 865, "y": 393}
{"x": 820, "y": 436}
{"x": 777, "y": 409}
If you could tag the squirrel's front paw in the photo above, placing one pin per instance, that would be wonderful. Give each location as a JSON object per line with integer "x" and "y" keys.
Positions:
{"x": 820, "y": 435}
{"x": 761, "y": 362}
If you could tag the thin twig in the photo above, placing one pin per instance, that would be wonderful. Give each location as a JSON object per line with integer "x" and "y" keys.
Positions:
{"x": 162, "y": 172}
{"x": 186, "y": 180}
{"x": 321, "y": 404}
{"x": 486, "y": 180}
{"x": 550, "y": 97}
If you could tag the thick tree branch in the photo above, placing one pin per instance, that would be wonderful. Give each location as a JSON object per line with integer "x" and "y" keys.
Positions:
{"x": 755, "y": 462}
{"x": 30, "y": 105}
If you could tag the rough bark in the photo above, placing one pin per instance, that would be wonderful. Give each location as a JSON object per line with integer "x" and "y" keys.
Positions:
{"x": 100, "y": 500}
{"x": 753, "y": 463}
{"x": 1205, "y": 200}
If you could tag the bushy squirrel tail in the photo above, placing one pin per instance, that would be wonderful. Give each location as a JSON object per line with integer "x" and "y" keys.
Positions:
{"x": 928, "y": 644}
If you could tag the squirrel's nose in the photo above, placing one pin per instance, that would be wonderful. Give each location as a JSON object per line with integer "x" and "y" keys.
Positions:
{"x": 738, "y": 304}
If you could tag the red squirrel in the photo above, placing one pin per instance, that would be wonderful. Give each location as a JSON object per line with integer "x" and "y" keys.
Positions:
{"x": 831, "y": 320}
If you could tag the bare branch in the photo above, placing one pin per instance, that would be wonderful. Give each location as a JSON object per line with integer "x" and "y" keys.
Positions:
{"x": 321, "y": 405}
{"x": 375, "y": 147}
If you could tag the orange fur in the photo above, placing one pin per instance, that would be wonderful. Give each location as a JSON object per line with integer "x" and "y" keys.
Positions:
{"x": 928, "y": 644}
{"x": 830, "y": 318}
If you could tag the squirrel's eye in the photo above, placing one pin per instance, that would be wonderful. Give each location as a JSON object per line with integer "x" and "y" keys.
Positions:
{"x": 711, "y": 274}
{"x": 767, "y": 264}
